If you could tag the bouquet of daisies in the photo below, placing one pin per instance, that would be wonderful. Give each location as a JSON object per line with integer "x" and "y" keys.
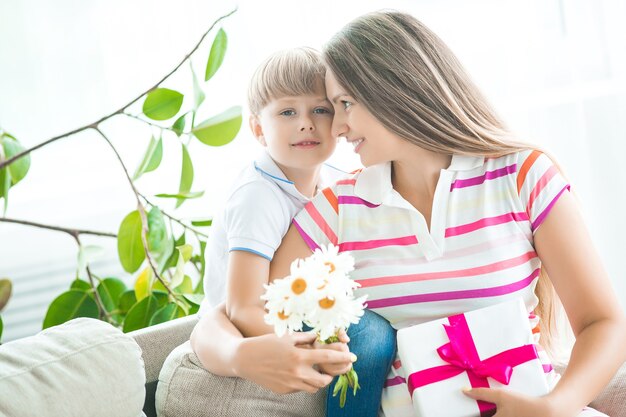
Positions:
{"x": 318, "y": 293}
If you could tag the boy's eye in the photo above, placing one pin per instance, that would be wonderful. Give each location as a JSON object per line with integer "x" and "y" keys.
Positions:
{"x": 287, "y": 113}
{"x": 322, "y": 110}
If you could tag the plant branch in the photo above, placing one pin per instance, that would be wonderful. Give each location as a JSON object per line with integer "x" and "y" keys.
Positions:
{"x": 95, "y": 124}
{"x": 142, "y": 215}
{"x": 186, "y": 226}
{"x": 102, "y": 311}
{"x": 72, "y": 232}
{"x": 149, "y": 123}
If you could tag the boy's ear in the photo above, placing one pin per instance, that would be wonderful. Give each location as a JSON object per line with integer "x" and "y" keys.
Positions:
{"x": 257, "y": 129}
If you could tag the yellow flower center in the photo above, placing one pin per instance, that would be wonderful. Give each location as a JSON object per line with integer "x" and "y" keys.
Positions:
{"x": 282, "y": 315}
{"x": 298, "y": 286}
{"x": 326, "y": 303}
{"x": 331, "y": 266}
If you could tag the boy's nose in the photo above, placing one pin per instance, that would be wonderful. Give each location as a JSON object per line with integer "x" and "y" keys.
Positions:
{"x": 306, "y": 127}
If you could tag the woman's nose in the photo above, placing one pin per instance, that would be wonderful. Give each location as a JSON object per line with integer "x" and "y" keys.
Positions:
{"x": 339, "y": 128}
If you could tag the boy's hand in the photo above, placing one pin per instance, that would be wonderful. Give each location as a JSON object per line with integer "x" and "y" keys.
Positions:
{"x": 335, "y": 369}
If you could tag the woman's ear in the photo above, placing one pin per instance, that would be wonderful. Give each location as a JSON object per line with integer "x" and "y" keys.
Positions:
{"x": 257, "y": 129}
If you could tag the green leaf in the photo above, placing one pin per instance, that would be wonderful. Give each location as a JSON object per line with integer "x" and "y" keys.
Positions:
{"x": 157, "y": 231}
{"x": 163, "y": 256}
{"x": 5, "y": 292}
{"x": 200, "y": 286}
{"x": 162, "y": 103}
{"x": 12, "y": 147}
{"x": 198, "y": 94}
{"x": 162, "y": 298}
{"x": 173, "y": 259}
{"x": 216, "y": 56}
{"x": 186, "y": 287}
{"x": 110, "y": 291}
{"x": 68, "y": 306}
{"x": 195, "y": 299}
{"x": 151, "y": 158}
{"x": 127, "y": 300}
{"x": 221, "y": 129}
{"x": 1, "y": 328}
{"x": 129, "y": 246}
{"x": 143, "y": 284}
{"x": 186, "y": 175}
{"x": 179, "y": 125}
{"x": 169, "y": 312}
{"x": 184, "y": 254}
{"x": 5, "y": 184}
{"x": 185, "y": 196}
{"x": 80, "y": 285}
{"x": 139, "y": 315}
{"x": 202, "y": 222}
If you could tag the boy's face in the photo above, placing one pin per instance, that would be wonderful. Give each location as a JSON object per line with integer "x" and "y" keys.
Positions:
{"x": 296, "y": 130}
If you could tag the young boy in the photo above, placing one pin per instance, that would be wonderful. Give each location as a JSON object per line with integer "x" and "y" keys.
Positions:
{"x": 291, "y": 118}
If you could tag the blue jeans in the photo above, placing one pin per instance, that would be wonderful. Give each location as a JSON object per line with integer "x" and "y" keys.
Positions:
{"x": 373, "y": 341}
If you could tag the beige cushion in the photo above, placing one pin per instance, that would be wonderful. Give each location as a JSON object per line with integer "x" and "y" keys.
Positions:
{"x": 84, "y": 367}
{"x": 187, "y": 389}
{"x": 612, "y": 400}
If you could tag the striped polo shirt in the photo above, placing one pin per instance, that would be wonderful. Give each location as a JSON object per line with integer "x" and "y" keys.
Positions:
{"x": 479, "y": 250}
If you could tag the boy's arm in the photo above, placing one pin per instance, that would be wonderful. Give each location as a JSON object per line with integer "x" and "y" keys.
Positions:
{"x": 281, "y": 364}
{"x": 247, "y": 272}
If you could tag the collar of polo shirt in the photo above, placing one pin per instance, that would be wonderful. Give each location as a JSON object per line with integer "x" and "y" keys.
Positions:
{"x": 373, "y": 183}
{"x": 266, "y": 166}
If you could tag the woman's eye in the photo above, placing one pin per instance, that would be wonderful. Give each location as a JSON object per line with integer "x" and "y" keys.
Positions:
{"x": 321, "y": 110}
{"x": 287, "y": 113}
{"x": 346, "y": 104}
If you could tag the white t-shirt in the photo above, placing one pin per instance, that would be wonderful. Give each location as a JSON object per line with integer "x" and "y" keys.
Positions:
{"x": 257, "y": 214}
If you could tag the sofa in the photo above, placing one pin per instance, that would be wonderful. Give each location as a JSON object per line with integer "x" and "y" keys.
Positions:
{"x": 87, "y": 367}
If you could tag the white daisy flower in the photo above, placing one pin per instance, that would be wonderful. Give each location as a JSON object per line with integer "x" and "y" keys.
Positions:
{"x": 334, "y": 313}
{"x": 337, "y": 263}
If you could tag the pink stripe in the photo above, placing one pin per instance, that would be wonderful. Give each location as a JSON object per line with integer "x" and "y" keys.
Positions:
{"x": 471, "y": 250}
{"x": 486, "y": 222}
{"x": 454, "y": 295}
{"x": 541, "y": 184}
{"x": 312, "y": 245}
{"x": 373, "y": 244}
{"x": 547, "y": 210}
{"x": 321, "y": 223}
{"x": 489, "y": 175}
{"x": 343, "y": 199}
{"x": 347, "y": 182}
{"x": 459, "y": 273}
{"x": 395, "y": 381}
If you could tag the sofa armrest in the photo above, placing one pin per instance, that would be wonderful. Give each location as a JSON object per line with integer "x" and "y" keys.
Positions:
{"x": 156, "y": 343}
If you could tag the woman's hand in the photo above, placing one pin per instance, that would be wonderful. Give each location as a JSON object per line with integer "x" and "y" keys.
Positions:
{"x": 512, "y": 404}
{"x": 285, "y": 364}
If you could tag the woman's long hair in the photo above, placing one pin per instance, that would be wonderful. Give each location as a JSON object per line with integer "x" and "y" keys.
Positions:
{"x": 411, "y": 81}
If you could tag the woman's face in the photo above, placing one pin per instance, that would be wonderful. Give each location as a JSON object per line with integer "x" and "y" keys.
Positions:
{"x": 373, "y": 142}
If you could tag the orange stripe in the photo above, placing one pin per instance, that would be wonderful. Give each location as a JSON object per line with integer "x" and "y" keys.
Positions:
{"x": 528, "y": 163}
{"x": 332, "y": 199}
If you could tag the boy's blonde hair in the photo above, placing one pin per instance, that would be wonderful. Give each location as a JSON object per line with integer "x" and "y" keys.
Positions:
{"x": 291, "y": 72}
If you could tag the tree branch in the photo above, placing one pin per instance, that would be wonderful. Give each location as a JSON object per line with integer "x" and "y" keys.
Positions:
{"x": 186, "y": 226}
{"x": 142, "y": 215}
{"x": 95, "y": 124}
{"x": 72, "y": 232}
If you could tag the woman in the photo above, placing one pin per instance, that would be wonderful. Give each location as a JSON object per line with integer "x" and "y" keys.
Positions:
{"x": 450, "y": 213}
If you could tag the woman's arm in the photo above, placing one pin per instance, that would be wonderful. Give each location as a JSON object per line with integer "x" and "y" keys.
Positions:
{"x": 564, "y": 247}
{"x": 281, "y": 364}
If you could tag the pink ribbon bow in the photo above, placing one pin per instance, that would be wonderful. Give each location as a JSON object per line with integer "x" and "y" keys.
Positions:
{"x": 462, "y": 356}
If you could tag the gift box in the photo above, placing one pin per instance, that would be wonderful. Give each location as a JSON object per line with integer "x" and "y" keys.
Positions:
{"x": 490, "y": 347}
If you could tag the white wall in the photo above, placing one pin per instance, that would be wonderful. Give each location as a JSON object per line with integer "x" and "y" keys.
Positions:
{"x": 555, "y": 70}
